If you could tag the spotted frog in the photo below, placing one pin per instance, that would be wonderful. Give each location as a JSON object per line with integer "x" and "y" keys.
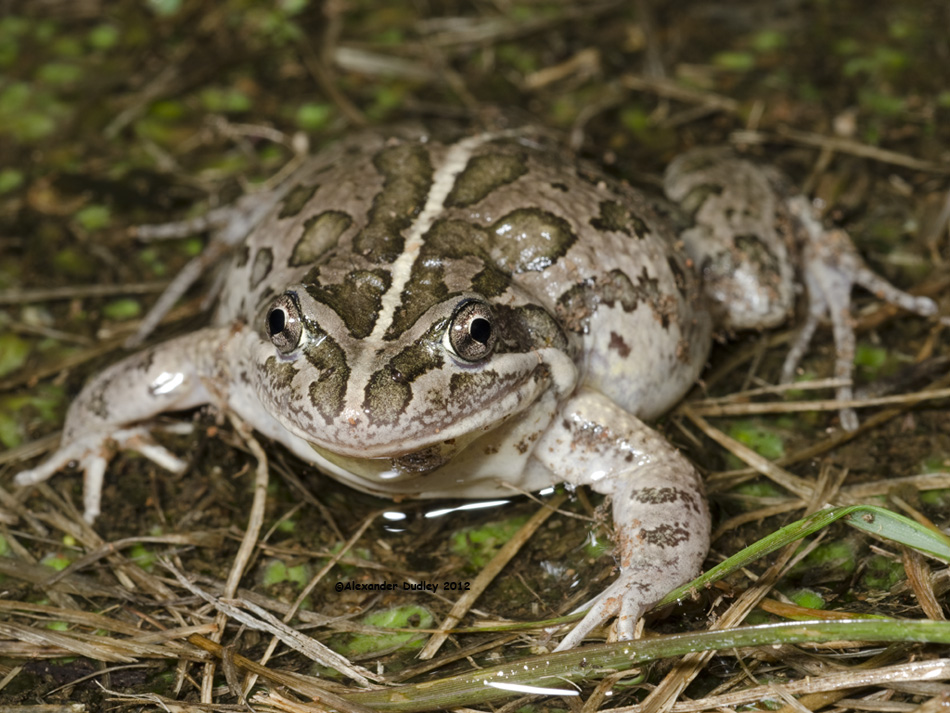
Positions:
{"x": 464, "y": 317}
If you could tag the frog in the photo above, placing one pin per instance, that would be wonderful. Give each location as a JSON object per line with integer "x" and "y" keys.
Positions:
{"x": 435, "y": 314}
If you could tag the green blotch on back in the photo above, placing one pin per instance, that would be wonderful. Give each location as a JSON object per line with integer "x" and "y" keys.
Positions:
{"x": 407, "y": 178}
{"x": 357, "y": 300}
{"x": 530, "y": 240}
{"x": 296, "y": 200}
{"x": 320, "y": 233}
{"x": 616, "y": 217}
{"x": 578, "y": 304}
{"x": 483, "y": 175}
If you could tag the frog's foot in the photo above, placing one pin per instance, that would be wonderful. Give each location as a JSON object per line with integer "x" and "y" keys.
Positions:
{"x": 627, "y": 598}
{"x": 832, "y": 267}
{"x": 91, "y": 452}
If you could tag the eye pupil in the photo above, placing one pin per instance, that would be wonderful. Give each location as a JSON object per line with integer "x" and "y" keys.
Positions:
{"x": 276, "y": 321}
{"x": 480, "y": 330}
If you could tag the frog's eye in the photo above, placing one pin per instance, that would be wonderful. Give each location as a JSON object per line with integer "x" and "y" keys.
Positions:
{"x": 472, "y": 333}
{"x": 283, "y": 324}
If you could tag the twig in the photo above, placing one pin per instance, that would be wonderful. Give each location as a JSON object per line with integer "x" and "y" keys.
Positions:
{"x": 255, "y": 522}
{"x": 841, "y": 145}
{"x": 18, "y": 295}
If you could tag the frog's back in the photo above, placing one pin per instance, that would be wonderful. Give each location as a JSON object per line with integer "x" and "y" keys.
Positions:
{"x": 380, "y": 228}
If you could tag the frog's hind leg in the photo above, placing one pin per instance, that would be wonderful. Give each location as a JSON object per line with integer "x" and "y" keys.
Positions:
{"x": 737, "y": 231}
{"x": 228, "y": 227}
{"x": 831, "y": 267}
{"x": 746, "y": 228}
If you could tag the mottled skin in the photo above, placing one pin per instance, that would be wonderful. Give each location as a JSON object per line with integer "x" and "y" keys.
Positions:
{"x": 425, "y": 318}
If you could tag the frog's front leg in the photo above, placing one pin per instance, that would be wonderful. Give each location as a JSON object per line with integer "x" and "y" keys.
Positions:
{"x": 167, "y": 377}
{"x": 660, "y": 514}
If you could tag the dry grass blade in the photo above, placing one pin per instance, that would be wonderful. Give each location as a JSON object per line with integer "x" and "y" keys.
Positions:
{"x": 356, "y": 59}
{"x": 73, "y": 292}
{"x": 264, "y": 621}
{"x": 924, "y": 481}
{"x": 297, "y": 682}
{"x": 45, "y": 638}
{"x": 668, "y": 89}
{"x": 97, "y": 648}
{"x": 278, "y": 702}
{"x": 43, "y": 708}
{"x": 737, "y": 408}
{"x": 461, "y": 32}
{"x": 918, "y": 576}
{"x": 763, "y": 465}
{"x": 935, "y": 670}
{"x": 73, "y": 584}
{"x": 840, "y": 145}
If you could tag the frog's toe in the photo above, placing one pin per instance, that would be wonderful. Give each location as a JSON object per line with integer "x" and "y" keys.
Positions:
{"x": 622, "y": 599}
{"x": 601, "y": 609}
{"x": 139, "y": 439}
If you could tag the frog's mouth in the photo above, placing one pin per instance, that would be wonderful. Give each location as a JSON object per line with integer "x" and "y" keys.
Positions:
{"x": 434, "y": 427}
{"x": 419, "y": 462}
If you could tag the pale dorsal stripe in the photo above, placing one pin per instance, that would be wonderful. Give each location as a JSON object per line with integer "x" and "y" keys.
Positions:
{"x": 443, "y": 179}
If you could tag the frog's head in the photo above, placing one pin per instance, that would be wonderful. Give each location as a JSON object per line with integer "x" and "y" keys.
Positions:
{"x": 414, "y": 385}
